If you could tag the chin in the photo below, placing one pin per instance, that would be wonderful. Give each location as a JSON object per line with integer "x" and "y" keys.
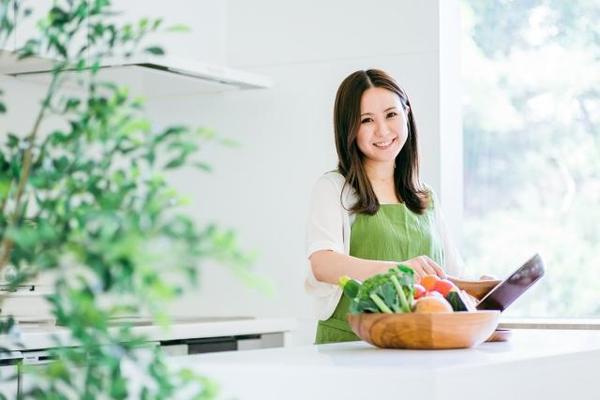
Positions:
{"x": 385, "y": 159}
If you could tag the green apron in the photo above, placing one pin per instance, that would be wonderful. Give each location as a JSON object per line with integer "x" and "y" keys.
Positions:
{"x": 393, "y": 233}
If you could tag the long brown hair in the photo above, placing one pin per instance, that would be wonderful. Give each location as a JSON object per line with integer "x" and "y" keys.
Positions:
{"x": 346, "y": 119}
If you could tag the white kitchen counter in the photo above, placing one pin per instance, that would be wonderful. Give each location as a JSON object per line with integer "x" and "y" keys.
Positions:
{"x": 533, "y": 364}
{"x": 41, "y": 337}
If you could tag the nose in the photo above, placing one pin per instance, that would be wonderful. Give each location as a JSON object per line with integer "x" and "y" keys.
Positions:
{"x": 381, "y": 128}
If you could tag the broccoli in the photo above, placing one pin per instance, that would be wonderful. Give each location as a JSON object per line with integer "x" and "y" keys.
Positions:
{"x": 389, "y": 292}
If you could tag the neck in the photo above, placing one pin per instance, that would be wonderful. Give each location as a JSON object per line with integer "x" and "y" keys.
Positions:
{"x": 380, "y": 172}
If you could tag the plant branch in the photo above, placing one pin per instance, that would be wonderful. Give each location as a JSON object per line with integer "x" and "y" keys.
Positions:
{"x": 7, "y": 243}
{"x": 5, "y": 200}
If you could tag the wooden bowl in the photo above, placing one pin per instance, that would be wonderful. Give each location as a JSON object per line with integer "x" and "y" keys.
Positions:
{"x": 478, "y": 288}
{"x": 449, "y": 330}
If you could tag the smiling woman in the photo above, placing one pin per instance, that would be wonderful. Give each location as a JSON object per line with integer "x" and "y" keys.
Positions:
{"x": 373, "y": 211}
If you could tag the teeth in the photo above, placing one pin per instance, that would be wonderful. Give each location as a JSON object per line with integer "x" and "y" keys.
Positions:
{"x": 383, "y": 144}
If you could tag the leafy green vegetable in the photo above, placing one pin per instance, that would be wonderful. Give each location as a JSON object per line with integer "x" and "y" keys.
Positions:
{"x": 390, "y": 292}
{"x": 382, "y": 306}
{"x": 350, "y": 286}
{"x": 401, "y": 295}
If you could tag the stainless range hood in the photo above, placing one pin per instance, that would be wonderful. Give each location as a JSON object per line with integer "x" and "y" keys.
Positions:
{"x": 147, "y": 75}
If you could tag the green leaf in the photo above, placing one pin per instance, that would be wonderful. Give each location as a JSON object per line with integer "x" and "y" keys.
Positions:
{"x": 178, "y": 28}
{"x": 202, "y": 166}
{"x": 155, "y": 50}
{"x": 230, "y": 142}
{"x": 363, "y": 305}
{"x": 72, "y": 104}
{"x": 61, "y": 164}
{"x": 58, "y": 16}
{"x": 156, "y": 24}
{"x": 175, "y": 163}
{"x": 388, "y": 294}
{"x": 143, "y": 23}
{"x": 350, "y": 286}
{"x": 2, "y": 108}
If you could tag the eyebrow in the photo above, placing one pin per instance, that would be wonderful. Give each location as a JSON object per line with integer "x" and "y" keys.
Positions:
{"x": 386, "y": 110}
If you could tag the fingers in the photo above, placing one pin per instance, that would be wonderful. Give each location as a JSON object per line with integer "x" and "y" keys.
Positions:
{"x": 424, "y": 265}
{"x": 418, "y": 268}
{"x": 436, "y": 268}
{"x": 429, "y": 267}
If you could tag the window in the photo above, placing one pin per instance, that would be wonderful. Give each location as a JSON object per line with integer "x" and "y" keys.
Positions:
{"x": 531, "y": 120}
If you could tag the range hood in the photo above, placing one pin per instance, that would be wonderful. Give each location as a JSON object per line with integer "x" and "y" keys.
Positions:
{"x": 147, "y": 75}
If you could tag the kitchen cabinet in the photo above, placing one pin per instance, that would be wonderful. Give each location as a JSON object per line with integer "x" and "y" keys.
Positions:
{"x": 222, "y": 343}
{"x": 193, "y": 64}
{"x": 31, "y": 361}
{"x": 248, "y": 332}
{"x": 9, "y": 370}
{"x": 37, "y": 359}
{"x": 185, "y": 337}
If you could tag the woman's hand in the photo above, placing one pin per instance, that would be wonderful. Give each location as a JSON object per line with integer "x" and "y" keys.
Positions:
{"x": 424, "y": 265}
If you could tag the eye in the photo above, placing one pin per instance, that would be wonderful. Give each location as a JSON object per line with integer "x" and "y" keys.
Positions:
{"x": 365, "y": 120}
{"x": 392, "y": 114}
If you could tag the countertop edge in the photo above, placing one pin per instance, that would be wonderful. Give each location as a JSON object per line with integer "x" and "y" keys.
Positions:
{"x": 46, "y": 337}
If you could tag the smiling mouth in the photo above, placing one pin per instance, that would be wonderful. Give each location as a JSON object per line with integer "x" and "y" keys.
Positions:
{"x": 385, "y": 145}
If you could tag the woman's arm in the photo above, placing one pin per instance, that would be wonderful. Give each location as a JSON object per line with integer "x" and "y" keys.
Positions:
{"x": 328, "y": 266}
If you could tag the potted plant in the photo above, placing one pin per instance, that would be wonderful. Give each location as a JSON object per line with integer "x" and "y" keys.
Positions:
{"x": 88, "y": 202}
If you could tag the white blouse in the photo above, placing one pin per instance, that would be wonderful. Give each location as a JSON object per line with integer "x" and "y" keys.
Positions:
{"x": 328, "y": 228}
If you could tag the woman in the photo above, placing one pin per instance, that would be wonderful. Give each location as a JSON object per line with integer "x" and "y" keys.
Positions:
{"x": 373, "y": 212}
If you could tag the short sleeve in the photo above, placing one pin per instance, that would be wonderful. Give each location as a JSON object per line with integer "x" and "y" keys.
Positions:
{"x": 324, "y": 231}
{"x": 325, "y": 222}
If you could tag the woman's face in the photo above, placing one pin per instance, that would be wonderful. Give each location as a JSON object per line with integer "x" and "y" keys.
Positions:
{"x": 383, "y": 125}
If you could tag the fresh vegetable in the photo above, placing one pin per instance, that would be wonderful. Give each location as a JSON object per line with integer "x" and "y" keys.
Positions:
{"x": 401, "y": 295}
{"x": 444, "y": 286}
{"x": 456, "y": 302}
{"x": 395, "y": 291}
{"x": 429, "y": 282}
{"x": 459, "y": 301}
{"x": 389, "y": 292}
{"x": 433, "y": 283}
{"x": 434, "y": 286}
{"x": 379, "y": 302}
{"x": 432, "y": 304}
{"x": 350, "y": 286}
{"x": 419, "y": 291}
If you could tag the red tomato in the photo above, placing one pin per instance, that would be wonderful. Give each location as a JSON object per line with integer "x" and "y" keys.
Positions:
{"x": 429, "y": 281}
{"x": 444, "y": 286}
{"x": 419, "y": 291}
